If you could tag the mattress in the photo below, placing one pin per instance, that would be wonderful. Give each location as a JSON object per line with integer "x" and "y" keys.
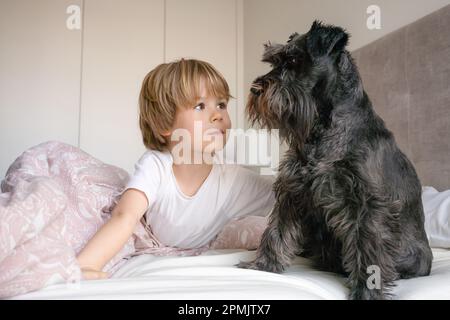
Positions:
{"x": 212, "y": 276}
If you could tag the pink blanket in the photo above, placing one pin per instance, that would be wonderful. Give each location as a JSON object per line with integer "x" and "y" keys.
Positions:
{"x": 54, "y": 198}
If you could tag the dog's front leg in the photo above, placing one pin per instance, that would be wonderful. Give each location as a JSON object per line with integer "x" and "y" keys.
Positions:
{"x": 279, "y": 244}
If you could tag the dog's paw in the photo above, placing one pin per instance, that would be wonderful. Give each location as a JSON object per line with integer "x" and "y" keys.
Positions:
{"x": 258, "y": 265}
{"x": 367, "y": 294}
{"x": 247, "y": 265}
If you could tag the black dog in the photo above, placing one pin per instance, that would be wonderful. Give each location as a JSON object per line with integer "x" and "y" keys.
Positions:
{"x": 347, "y": 197}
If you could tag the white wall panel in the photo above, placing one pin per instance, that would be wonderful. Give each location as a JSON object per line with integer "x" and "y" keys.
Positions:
{"x": 39, "y": 76}
{"x": 122, "y": 41}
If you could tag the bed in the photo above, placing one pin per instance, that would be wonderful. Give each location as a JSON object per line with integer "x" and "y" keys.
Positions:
{"x": 401, "y": 85}
{"x": 212, "y": 275}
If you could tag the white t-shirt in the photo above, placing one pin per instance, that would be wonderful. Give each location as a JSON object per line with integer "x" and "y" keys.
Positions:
{"x": 230, "y": 191}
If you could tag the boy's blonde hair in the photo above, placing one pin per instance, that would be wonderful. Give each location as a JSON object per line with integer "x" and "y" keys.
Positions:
{"x": 170, "y": 86}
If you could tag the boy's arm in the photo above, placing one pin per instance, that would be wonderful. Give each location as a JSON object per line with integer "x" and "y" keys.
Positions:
{"x": 113, "y": 235}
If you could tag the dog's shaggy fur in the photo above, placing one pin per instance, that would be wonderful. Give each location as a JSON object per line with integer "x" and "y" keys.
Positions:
{"x": 347, "y": 197}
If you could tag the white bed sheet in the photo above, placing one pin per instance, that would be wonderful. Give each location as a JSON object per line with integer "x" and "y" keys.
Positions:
{"x": 214, "y": 276}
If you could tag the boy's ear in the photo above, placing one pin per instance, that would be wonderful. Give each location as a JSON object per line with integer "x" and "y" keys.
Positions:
{"x": 166, "y": 133}
{"x": 323, "y": 39}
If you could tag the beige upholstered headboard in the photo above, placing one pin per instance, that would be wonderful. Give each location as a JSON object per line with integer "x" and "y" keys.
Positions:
{"x": 407, "y": 76}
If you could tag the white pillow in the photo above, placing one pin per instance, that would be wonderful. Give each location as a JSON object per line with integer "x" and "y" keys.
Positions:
{"x": 436, "y": 207}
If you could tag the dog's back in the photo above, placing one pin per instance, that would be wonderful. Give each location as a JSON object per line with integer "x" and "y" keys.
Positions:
{"x": 394, "y": 179}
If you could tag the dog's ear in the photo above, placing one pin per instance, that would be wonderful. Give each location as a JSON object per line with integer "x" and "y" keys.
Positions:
{"x": 292, "y": 36}
{"x": 271, "y": 52}
{"x": 323, "y": 39}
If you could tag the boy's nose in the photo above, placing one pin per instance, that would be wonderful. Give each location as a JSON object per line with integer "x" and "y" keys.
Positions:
{"x": 216, "y": 116}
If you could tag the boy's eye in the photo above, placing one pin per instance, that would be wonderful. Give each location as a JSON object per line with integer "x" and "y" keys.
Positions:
{"x": 222, "y": 105}
{"x": 200, "y": 106}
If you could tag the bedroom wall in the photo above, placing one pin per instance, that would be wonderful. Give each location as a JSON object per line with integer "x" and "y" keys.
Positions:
{"x": 40, "y": 63}
{"x": 81, "y": 86}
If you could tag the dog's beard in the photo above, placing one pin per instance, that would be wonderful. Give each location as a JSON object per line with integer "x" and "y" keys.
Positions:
{"x": 287, "y": 108}
{"x": 261, "y": 109}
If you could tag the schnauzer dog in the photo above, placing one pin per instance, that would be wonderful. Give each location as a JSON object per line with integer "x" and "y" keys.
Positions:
{"x": 346, "y": 196}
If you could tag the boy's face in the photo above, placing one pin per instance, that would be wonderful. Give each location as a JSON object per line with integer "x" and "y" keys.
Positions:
{"x": 206, "y": 123}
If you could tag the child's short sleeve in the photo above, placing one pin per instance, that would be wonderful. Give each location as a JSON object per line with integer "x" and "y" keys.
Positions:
{"x": 252, "y": 195}
{"x": 147, "y": 176}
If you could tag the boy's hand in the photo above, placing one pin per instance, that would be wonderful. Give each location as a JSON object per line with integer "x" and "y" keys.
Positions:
{"x": 92, "y": 274}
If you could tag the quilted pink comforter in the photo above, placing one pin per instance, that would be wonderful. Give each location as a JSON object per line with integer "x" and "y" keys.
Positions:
{"x": 54, "y": 198}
